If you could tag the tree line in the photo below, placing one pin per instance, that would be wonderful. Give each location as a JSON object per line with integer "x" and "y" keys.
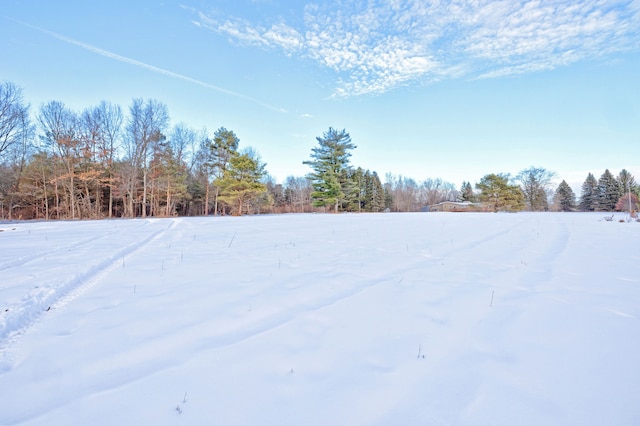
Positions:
{"x": 334, "y": 187}
{"x": 105, "y": 162}
{"x": 99, "y": 162}
{"x": 532, "y": 190}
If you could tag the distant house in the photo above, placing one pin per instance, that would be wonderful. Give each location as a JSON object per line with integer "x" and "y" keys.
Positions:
{"x": 455, "y": 206}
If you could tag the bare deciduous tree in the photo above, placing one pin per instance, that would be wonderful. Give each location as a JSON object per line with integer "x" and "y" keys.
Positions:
{"x": 535, "y": 183}
{"x": 110, "y": 118}
{"x": 147, "y": 120}
{"x": 59, "y": 127}
{"x": 13, "y": 115}
{"x": 297, "y": 194}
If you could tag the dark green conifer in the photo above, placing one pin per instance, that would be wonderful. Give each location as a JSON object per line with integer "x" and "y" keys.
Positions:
{"x": 608, "y": 192}
{"x": 589, "y": 194}
{"x": 565, "y": 198}
{"x": 330, "y": 164}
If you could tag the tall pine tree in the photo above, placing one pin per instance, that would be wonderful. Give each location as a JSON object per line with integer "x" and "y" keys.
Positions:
{"x": 223, "y": 147}
{"x": 627, "y": 182}
{"x": 378, "y": 194}
{"x": 330, "y": 164}
{"x": 589, "y": 194}
{"x": 355, "y": 196}
{"x": 565, "y": 198}
{"x": 608, "y": 192}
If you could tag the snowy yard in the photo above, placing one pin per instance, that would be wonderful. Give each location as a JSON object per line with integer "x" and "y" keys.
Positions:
{"x": 371, "y": 319}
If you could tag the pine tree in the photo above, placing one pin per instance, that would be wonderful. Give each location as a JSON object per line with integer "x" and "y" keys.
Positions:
{"x": 629, "y": 191}
{"x": 223, "y": 147}
{"x": 608, "y": 192}
{"x": 330, "y": 164}
{"x": 496, "y": 191}
{"x": 589, "y": 194}
{"x": 378, "y": 196}
{"x": 372, "y": 196}
{"x": 241, "y": 181}
{"x": 627, "y": 182}
{"x": 367, "y": 192}
{"x": 466, "y": 193}
{"x": 355, "y": 188}
{"x": 565, "y": 198}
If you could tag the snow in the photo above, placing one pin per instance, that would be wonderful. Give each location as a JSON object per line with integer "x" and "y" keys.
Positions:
{"x": 352, "y": 319}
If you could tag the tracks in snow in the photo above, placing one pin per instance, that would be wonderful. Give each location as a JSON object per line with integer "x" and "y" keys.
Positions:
{"x": 53, "y": 292}
{"x": 41, "y": 254}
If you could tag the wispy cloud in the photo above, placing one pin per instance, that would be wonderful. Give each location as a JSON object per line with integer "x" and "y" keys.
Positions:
{"x": 149, "y": 67}
{"x": 379, "y": 45}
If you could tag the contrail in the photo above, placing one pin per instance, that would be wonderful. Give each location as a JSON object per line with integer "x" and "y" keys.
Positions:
{"x": 155, "y": 69}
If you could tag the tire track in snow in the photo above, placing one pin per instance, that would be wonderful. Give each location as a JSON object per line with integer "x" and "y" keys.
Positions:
{"x": 38, "y": 255}
{"x": 95, "y": 274}
{"x": 18, "y": 318}
{"x": 26, "y": 259}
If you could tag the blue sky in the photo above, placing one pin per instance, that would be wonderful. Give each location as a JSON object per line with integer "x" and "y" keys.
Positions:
{"x": 450, "y": 89}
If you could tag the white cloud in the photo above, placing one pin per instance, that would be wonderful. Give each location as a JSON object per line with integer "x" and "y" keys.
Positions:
{"x": 285, "y": 37}
{"x": 379, "y": 45}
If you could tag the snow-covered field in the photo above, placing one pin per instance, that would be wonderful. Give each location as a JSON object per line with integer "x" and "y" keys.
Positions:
{"x": 371, "y": 319}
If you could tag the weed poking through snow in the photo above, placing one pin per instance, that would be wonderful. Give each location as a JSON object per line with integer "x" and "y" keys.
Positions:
{"x": 184, "y": 401}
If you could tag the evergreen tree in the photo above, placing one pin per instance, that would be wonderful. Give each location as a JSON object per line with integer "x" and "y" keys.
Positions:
{"x": 589, "y": 194}
{"x": 330, "y": 164}
{"x": 368, "y": 192}
{"x": 629, "y": 190}
{"x": 608, "y": 192}
{"x": 223, "y": 147}
{"x": 355, "y": 188}
{"x": 372, "y": 196}
{"x": 496, "y": 191}
{"x": 466, "y": 193}
{"x": 328, "y": 191}
{"x": 241, "y": 181}
{"x": 565, "y": 198}
{"x": 627, "y": 182}
{"x": 378, "y": 194}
